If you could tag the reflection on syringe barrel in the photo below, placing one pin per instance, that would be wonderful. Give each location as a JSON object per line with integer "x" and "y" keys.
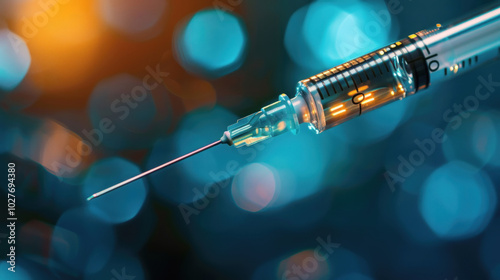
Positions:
{"x": 398, "y": 70}
{"x": 364, "y": 84}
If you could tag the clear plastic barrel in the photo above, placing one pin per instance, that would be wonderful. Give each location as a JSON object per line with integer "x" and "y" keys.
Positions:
{"x": 356, "y": 87}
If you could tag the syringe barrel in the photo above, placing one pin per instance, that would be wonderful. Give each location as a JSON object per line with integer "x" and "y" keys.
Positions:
{"x": 398, "y": 70}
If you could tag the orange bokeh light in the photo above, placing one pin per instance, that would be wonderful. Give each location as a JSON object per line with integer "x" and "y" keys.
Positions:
{"x": 59, "y": 150}
{"x": 63, "y": 37}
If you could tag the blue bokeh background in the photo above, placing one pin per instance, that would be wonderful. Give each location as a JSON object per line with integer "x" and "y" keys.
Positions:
{"x": 95, "y": 92}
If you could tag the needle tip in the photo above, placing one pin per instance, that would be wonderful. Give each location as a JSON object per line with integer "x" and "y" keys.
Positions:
{"x": 90, "y": 197}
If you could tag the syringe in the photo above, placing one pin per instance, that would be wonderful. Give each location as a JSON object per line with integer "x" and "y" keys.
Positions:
{"x": 367, "y": 82}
